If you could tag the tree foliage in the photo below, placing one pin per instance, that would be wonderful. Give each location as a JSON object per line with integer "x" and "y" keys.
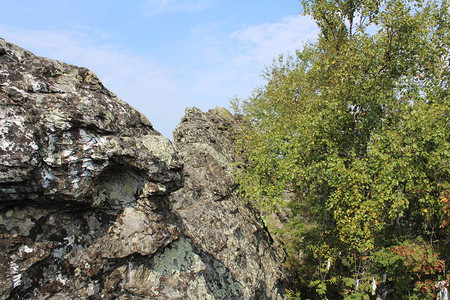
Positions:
{"x": 351, "y": 136}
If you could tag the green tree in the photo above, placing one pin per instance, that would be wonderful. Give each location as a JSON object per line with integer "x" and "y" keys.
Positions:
{"x": 351, "y": 137}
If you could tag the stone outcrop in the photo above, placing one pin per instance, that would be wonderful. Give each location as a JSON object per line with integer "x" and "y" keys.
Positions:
{"x": 213, "y": 215}
{"x": 96, "y": 204}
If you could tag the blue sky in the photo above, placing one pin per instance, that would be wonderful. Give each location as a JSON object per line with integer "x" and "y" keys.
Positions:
{"x": 162, "y": 56}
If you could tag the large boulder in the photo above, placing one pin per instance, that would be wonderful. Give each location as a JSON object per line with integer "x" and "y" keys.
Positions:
{"x": 91, "y": 205}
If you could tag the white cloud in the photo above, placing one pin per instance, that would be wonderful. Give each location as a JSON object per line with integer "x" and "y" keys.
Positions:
{"x": 230, "y": 64}
{"x": 264, "y": 42}
{"x": 153, "y": 7}
{"x": 250, "y": 47}
{"x": 136, "y": 80}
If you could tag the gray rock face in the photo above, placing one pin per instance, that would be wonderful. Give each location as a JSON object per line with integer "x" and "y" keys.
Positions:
{"x": 90, "y": 198}
{"x": 214, "y": 217}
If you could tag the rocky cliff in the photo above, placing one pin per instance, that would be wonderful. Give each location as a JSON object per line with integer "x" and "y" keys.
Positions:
{"x": 96, "y": 204}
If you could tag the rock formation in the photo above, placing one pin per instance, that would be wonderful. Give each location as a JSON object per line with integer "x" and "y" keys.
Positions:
{"x": 96, "y": 204}
{"x": 214, "y": 218}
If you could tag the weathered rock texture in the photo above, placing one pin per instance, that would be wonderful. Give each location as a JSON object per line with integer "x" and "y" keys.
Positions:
{"x": 90, "y": 198}
{"x": 214, "y": 217}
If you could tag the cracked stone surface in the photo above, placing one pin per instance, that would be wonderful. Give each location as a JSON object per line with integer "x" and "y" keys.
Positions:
{"x": 96, "y": 204}
{"x": 213, "y": 214}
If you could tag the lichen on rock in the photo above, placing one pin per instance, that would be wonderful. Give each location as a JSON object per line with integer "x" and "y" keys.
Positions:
{"x": 75, "y": 166}
{"x": 213, "y": 215}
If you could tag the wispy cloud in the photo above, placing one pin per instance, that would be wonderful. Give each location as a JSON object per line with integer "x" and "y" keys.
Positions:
{"x": 153, "y": 7}
{"x": 230, "y": 64}
{"x": 266, "y": 41}
{"x": 136, "y": 80}
{"x": 252, "y": 44}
